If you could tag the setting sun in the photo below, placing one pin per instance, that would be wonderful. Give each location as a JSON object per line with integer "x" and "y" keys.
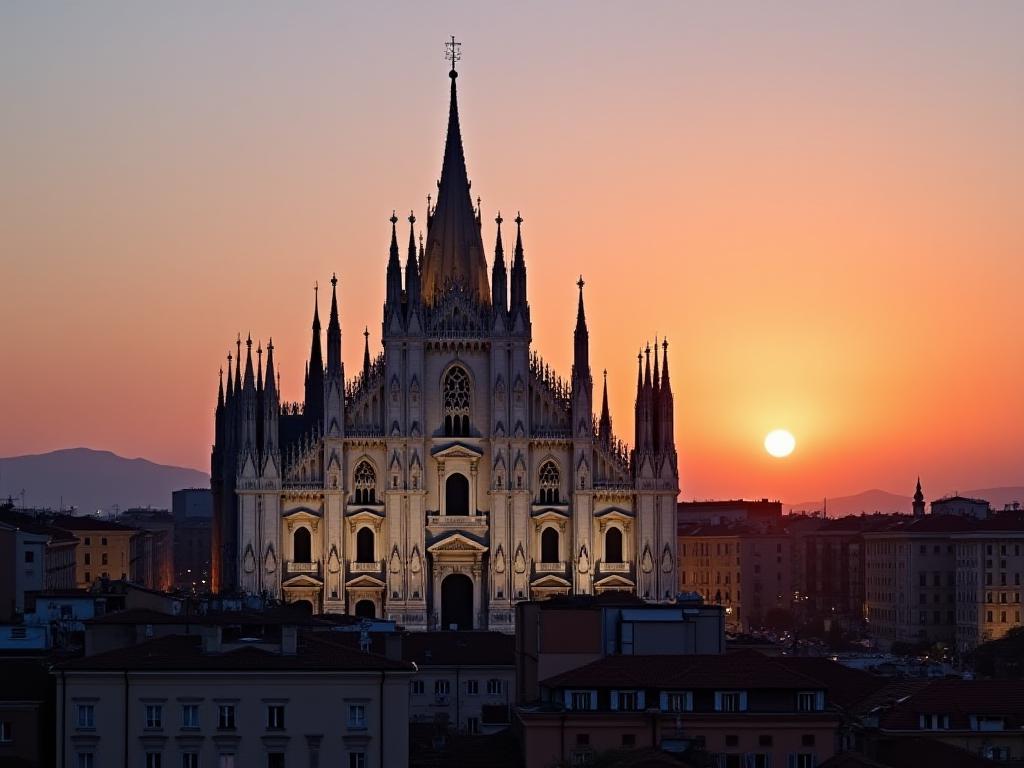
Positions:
{"x": 779, "y": 443}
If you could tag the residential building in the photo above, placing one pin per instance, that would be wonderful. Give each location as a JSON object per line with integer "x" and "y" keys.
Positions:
{"x": 556, "y": 635}
{"x": 465, "y": 681}
{"x": 743, "y": 709}
{"x": 154, "y": 567}
{"x": 193, "y": 518}
{"x": 910, "y": 578}
{"x": 746, "y": 569}
{"x": 26, "y": 713}
{"x": 41, "y": 556}
{"x": 982, "y": 717}
{"x": 224, "y": 699}
{"x": 106, "y": 549}
{"x": 989, "y": 569}
{"x": 978, "y": 509}
{"x": 762, "y": 511}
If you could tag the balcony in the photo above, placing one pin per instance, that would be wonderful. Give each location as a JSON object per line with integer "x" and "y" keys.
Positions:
{"x": 372, "y": 567}
{"x": 293, "y": 568}
{"x": 457, "y": 521}
{"x": 550, "y": 567}
{"x": 614, "y": 567}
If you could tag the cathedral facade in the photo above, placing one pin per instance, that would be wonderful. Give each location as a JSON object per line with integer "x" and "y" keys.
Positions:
{"x": 454, "y": 474}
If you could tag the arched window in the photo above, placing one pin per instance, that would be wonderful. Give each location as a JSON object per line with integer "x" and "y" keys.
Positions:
{"x": 456, "y": 495}
{"x": 302, "y": 547}
{"x": 613, "y": 546}
{"x": 549, "y": 546}
{"x": 364, "y": 546}
{"x": 365, "y": 609}
{"x": 456, "y": 402}
{"x": 549, "y": 483}
{"x": 365, "y": 484}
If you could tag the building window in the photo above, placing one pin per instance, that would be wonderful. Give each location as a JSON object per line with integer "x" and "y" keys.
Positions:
{"x": 581, "y": 700}
{"x": 88, "y": 541}
{"x": 86, "y": 760}
{"x": 275, "y": 760}
{"x": 629, "y": 740}
{"x": 86, "y": 716}
{"x": 442, "y": 688}
{"x": 732, "y": 740}
{"x": 626, "y": 701}
{"x": 456, "y": 402}
{"x": 473, "y": 725}
{"x": 456, "y": 494}
{"x": 761, "y": 760}
{"x": 676, "y": 701}
{"x": 582, "y": 739}
{"x": 226, "y": 761}
{"x": 730, "y": 701}
{"x": 356, "y": 760}
{"x": 88, "y": 576}
{"x": 549, "y": 546}
{"x": 189, "y": 715}
{"x": 472, "y": 687}
{"x": 807, "y": 701}
{"x": 356, "y": 715}
{"x": 103, "y": 541}
{"x": 549, "y": 483}
{"x": 88, "y": 559}
{"x": 154, "y": 716}
{"x": 495, "y": 687}
{"x": 275, "y": 717}
{"x": 226, "y": 717}
{"x": 5, "y": 732}
{"x": 807, "y": 740}
{"x": 933, "y": 722}
{"x": 803, "y": 760}
{"x": 30, "y": 556}
{"x": 302, "y": 546}
{"x": 364, "y": 545}
{"x": 154, "y": 760}
{"x": 365, "y": 483}
{"x": 416, "y": 687}
{"x": 103, "y": 559}
{"x": 190, "y": 760}
{"x": 765, "y": 740}
{"x": 613, "y": 546}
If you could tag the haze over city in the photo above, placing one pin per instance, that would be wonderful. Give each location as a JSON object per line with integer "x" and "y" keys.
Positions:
{"x": 818, "y": 207}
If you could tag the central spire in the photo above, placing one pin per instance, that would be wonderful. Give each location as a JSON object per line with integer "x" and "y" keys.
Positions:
{"x": 455, "y": 250}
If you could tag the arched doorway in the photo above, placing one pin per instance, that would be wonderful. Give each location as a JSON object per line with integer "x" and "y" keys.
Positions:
{"x": 457, "y": 602}
{"x": 304, "y": 605}
{"x": 456, "y": 495}
{"x": 613, "y": 546}
{"x": 365, "y": 609}
{"x": 364, "y": 546}
{"x": 549, "y": 546}
{"x": 302, "y": 547}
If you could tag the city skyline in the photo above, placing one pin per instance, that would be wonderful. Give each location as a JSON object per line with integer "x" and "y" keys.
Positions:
{"x": 796, "y": 290}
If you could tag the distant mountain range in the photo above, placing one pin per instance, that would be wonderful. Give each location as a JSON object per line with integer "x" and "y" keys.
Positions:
{"x": 91, "y": 480}
{"x": 877, "y": 500}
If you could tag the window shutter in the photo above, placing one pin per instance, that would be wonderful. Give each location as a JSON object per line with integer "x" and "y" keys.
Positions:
{"x": 718, "y": 701}
{"x": 567, "y": 695}
{"x": 743, "y": 701}
{"x": 593, "y": 699}
{"x": 792, "y": 761}
{"x": 819, "y": 700}
{"x": 641, "y": 700}
{"x": 663, "y": 701}
{"x": 615, "y": 699}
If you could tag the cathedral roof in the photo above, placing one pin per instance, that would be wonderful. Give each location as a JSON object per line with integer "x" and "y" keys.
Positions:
{"x": 455, "y": 250}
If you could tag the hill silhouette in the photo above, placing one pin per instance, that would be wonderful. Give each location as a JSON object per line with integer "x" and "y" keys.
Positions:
{"x": 90, "y": 480}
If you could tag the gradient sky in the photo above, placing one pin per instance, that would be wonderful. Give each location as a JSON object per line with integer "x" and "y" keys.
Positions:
{"x": 819, "y": 204}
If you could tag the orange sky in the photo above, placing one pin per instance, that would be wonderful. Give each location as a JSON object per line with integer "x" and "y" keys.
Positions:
{"x": 820, "y": 207}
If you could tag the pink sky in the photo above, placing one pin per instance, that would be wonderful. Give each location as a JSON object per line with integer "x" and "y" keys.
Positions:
{"x": 820, "y": 207}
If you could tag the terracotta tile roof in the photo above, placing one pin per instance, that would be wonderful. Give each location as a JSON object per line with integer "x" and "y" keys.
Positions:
{"x": 459, "y": 648}
{"x": 745, "y": 669}
{"x": 959, "y": 699}
{"x": 845, "y": 686}
{"x": 184, "y": 653}
{"x": 36, "y": 524}
{"x": 88, "y": 523}
{"x": 142, "y": 616}
{"x": 920, "y": 751}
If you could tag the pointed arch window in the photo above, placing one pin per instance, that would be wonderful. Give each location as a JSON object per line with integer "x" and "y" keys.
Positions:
{"x": 457, "y": 388}
{"x": 365, "y": 484}
{"x": 549, "y": 483}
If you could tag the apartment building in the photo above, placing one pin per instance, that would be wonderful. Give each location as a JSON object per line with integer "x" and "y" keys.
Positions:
{"x": 106, "y": 550}
{"x": 989, "y": 568}
{"x": 232, "y": 701}
{"x": 745, "y": 569}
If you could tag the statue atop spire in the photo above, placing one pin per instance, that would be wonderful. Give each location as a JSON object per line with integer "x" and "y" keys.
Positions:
{"x": 455, "y": 250}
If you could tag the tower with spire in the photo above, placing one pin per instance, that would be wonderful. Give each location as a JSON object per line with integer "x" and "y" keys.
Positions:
{"x": 918, "y": 503}
{"x": 455, "y": 473}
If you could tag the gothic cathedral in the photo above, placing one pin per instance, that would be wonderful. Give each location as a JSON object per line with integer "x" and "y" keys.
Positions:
{"x": 455, "y": 474}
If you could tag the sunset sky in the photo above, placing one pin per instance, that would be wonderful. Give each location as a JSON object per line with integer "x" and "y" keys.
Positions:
{"x": 820, "y": 205}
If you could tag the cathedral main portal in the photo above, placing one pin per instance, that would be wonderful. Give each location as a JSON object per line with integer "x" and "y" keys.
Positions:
{"x": 457, "y": 602}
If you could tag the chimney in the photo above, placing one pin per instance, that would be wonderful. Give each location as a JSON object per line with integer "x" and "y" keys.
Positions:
{"x": 289, "y": 640}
